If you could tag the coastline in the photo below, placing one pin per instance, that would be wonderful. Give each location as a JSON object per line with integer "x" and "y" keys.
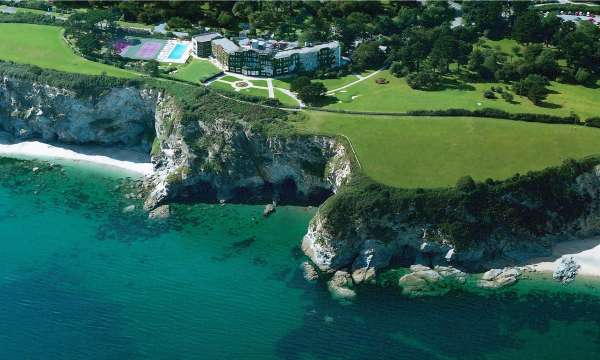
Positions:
{"x": 585, "y": 252}
{"x": 132, "y": 162}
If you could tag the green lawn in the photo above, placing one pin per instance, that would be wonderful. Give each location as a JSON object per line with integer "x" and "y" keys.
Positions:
{"x": 221, "y": 85}
{"x": 262, "y": 83}
{"x": 43, "y": 46}
{"x": 135, "y": 25}
{"x": 505, "y": 45}
{"x": 255, "y": 92}
{"x": 433, "y": 152}
{"x": 197, "y": 70}
{"x": 230, "y": 78}
{"x": 285, "y": 99}
{"x": 397, "y": 96}
{"x": 330, "y": 84}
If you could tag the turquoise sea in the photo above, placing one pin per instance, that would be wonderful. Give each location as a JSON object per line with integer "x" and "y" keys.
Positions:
{"x": 80, "y": 279}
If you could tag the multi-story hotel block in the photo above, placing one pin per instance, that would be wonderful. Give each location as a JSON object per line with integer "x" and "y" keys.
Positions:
{"x": 266, "y": 58}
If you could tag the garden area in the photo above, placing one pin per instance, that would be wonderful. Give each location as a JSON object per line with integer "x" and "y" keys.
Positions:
{"x": 416, "y": 152}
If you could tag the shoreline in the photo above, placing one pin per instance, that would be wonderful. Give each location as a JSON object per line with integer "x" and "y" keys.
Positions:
{"x": 585, "y": 252}
{"x": 134, "y": 163}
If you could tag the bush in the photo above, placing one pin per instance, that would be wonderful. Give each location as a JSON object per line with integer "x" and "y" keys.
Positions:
{"x": 533, "y": 87}
{"x": 312, "y": 93}
{"x": 489, "y": 94}
{"x": 398, "y": 69}
{"x": 593, "y": 122}
{"x": 500, "y": 114}
{"x": 508, "y": 97}
{"x": 582, "y": 76}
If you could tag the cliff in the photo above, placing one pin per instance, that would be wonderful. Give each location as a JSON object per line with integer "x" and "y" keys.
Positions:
{"x": 122, "y": 116}
{"x": 209, "y": 148}
{"x": 491, "y": 224}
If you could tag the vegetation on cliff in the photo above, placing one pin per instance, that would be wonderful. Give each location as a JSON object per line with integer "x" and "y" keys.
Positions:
{"x": 524, "y": 206}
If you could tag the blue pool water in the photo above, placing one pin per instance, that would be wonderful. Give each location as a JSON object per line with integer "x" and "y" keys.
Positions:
{"x": 178, "y": 51}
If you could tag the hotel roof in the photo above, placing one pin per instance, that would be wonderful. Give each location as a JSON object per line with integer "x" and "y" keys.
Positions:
{"x": 207, "y": 36}
{"x": 306, "y": 50}
{"x": 228, "y": 45}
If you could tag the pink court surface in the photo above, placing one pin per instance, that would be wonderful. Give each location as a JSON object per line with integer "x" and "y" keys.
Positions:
{"x": 149, "y": 50}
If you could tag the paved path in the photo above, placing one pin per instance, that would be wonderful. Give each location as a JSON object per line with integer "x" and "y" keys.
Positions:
{"x": 270, "y": 85}
{"x": 363, "y": 78}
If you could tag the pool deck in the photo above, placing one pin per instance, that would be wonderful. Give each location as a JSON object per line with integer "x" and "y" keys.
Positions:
{"x": 163, "y": 56}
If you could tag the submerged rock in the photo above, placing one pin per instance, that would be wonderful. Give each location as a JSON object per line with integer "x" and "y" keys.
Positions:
{"x": 309, "y": 271}
{"x": 566, "y": 270}
{"x": 340, "y": 285}
{"x": 128, "y": 209}
{"x": 497, "y": 278}
{"x": 160, "y": 213}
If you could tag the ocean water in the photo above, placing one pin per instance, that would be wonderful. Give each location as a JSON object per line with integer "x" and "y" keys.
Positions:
{"x": 80, "y": 279}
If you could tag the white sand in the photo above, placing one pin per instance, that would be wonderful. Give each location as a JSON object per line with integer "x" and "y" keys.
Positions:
{"x": 121, "y": 159}
{"x": 585, "y": 252}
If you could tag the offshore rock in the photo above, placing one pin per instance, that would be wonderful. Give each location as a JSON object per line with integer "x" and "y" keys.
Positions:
{"x": 497, "y": 278}
{"x": 309, "y": 272}
{"x": 340, "y": 285}
{"x": 566, "y": 270}
{"x": 426, "y": 281}
{"x": 269, "y": 209}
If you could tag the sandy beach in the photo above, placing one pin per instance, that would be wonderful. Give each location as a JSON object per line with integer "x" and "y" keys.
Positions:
{"x": 130, "y": 161}
{"x": 586, "y": 252}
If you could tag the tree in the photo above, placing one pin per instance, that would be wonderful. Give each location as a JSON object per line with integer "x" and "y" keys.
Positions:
{"x": 424, "y": 79}
{"x": 582, "y": 76}
{"x": 368, "y": 56}
{"x": 299, "y": 82}
{"x": 151, "y": 67}
{"x": 528, "y": 27}
{"x": 312, "y": 93}
{"x": 486, "y": 17}
{"x": 465, "y": 184}
{"x": 533, "y": 87}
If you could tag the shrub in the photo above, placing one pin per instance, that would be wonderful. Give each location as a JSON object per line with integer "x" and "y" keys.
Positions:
{"x": 508, "y": 97}
{"x": 582, "y": 76}
{"x": 593, "y": 122}
{"x": 489, "y": 94}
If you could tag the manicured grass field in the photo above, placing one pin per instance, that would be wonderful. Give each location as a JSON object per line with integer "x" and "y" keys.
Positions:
{"x": 197, "y": 70}
{"x": 435, "y": 152}
{"x": 262, "y": 83}
{"x": 43, "y": 46}
{"x": 230, "y": 78}
{"x": 397, "y": 96}
{"x": 285, "y": 100}
{"x": 221, "y": 85}
{"x": 255, "y": 92}
{"x": 330, "y": 84}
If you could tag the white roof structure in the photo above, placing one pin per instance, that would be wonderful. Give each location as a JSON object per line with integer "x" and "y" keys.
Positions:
{"x": 306, "y": 50}
{"x": 227, "y": 45}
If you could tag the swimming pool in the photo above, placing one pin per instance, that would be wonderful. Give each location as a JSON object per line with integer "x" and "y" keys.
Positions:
{"x": 177, "y": 51}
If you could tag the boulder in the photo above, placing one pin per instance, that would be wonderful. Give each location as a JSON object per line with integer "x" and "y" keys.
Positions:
{"x": 364, "y": 274}
{"x": 566, "y": 270}
{"x": 309, "y": 271}
{"x": 424, "y": 280}
{"x": 497, "y": 278}
{"x": 269, "y": 209}
{"x": 340, "y": 285}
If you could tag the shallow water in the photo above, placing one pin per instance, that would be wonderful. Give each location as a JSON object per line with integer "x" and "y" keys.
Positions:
{"x": 81, "y": 280}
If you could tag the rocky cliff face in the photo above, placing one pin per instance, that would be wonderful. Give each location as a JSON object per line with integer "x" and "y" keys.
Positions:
{"x": 224, "y": 160}
{"x": 121, "y": 116}
{"x": 359, "y": 247}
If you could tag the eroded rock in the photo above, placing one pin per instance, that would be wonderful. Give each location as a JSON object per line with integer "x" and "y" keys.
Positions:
{"x": 497, "y": 278}
{"x": 566, "y": 270}
{"x": 340, "y": 285}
